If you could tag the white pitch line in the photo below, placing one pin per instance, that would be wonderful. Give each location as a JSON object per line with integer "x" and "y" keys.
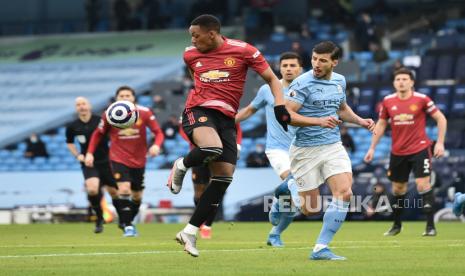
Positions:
{"x": 268, "y": 249}
{"x": 429, "y": 241}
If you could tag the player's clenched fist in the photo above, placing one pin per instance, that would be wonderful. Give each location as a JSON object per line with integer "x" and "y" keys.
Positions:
{"x": 329, "y": 122}
{"x": 368, "y": 124}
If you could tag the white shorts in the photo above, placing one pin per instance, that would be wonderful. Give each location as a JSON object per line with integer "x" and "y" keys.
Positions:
{"x": 311, "y": 166}
{"x": 279, "y": 160}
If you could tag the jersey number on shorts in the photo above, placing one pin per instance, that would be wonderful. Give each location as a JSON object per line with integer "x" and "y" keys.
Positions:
{"x": 426, "y": 166}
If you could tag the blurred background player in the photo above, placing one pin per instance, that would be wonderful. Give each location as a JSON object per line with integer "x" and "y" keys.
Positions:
{"x": 277, "y": 140}
{"x": 128, "y": 151}
{"x": 411, "y": 147}
{"x": 219, "y": 66}
{"x": 459, "y": 203}
{"x": 317, "y": 103}
{"x": 201, "y": 179}
{"x": 100, "y": 174}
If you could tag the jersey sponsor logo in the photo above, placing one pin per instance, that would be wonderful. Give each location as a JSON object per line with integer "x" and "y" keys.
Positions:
{"x": 214, "y": 76}
{"x": 413, "y": 107}
{"x": 404, "y": 119}
{"x": 128, "y": 133}
{"x": 229, "y": 61}
{"x": 256, "y": 54}
{"x": 328, "y": 102}
{"x": 198, "y": 64}
{"x": 203, "y": 119}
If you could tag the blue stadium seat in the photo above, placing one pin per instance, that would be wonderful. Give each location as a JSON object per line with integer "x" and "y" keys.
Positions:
{"x": 427, "y": 90}
{"x": 445, "y": 66}
{"x": 383, "y": 92}
{"x": 442, "y": 98}
{"x": 458, "y": 102}
{"x": 427, "y": 68}
{"x": 460, "y": 68}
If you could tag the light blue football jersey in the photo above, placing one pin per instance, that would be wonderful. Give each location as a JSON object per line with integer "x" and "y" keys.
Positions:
{"x": 276, "y": 137}
{"x": 319, "y": 98}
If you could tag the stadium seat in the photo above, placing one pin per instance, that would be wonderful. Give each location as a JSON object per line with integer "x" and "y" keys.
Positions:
{"x": 458, "y": 102}
{"x": 427, "y": 90}
{"x": 460, "y": 68}
{"x": 427, "y": 68}
{"x": 445, "y": 66}
{"x": 442, "y": 98}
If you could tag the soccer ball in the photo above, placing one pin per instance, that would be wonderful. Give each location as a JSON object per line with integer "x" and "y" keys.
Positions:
{"x": 122, "y": 114}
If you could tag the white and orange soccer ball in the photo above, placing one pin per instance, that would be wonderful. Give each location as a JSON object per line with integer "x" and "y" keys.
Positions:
{"x": 122, "y": 114}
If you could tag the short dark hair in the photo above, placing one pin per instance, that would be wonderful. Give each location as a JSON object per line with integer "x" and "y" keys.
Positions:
{"x": 125, "y": 87}
{"x": 328, "y": 47}
{"x": 290, "y": 55}
{"x": 406, "y": 71}
{"x": 208, "y": 22}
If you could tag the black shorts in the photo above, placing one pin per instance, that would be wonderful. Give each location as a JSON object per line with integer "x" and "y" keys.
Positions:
{"x": 224, "y": 125}
{"x": 201, "y": 175}
{"x": 102, "y": 171}
{"x": 123, "y": 173}
{"x": 400, "y": 166}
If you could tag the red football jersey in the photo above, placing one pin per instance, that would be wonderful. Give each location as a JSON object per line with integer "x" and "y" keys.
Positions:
{"x": 219, "y": 75}
{"x": 407, "y": 121}
{"x": 129, "y": 146}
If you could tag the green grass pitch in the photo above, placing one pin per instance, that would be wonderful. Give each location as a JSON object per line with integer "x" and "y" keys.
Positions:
{"x": 236, "y": 249}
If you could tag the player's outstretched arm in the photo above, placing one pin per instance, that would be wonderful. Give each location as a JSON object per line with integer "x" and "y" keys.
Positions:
{"x": 302, "y": 121}
{"x": 348, "y": 115}
{"x": 378, "y": 132}
{"x": 441, "y": 122}
{"x": 245, "y": 113}
{"x": 280, "y": 112}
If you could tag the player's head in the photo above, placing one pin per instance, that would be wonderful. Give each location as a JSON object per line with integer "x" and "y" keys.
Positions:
{"x": 204, "y": 31}
{"x": 403, "y": 80}
{"x": 290, "y": 66}
{"x": 125, "y": 93}
{"x": 325, "y": 56}
{"x": 82, "y": 105}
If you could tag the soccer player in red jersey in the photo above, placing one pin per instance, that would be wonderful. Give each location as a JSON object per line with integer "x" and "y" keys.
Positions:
{"x": 201, "y": 179}
{"x": 218, "y": 66}
{"x": 411, "y": 148}
{"x": 128, "y": 151}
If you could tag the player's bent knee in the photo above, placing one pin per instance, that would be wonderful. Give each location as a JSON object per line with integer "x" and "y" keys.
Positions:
{"x": 210, "y": 153}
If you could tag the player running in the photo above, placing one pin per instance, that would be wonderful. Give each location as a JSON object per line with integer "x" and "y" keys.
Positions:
{"x": 218, "y": 66}
{"x": 411, "y": 148}
{"x": 128, "y": 151}
{"x": 316, "y": 101}
{"x": 278, "y": 141}
{"x": 99, "y": 175}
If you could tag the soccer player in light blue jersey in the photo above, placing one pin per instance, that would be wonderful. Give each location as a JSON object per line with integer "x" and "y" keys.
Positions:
{"x": 316, "y": 101}
{"x": 278, "y": 141}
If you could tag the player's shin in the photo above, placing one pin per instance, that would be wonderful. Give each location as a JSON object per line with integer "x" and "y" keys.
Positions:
{"x": 135, "y": 206}
{"x": 210, "y": 200}
{"x": 397, "y": 205}
{"x": 428, "y": 207}
{"x": 332, "y": 221}
{"x": 125, "y": 210}
{"x": 95, "y": 203}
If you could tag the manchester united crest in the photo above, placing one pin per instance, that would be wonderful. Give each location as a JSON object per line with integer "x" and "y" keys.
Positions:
{"x": 229, "y": 61}
{"x": 413, "y": 107}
